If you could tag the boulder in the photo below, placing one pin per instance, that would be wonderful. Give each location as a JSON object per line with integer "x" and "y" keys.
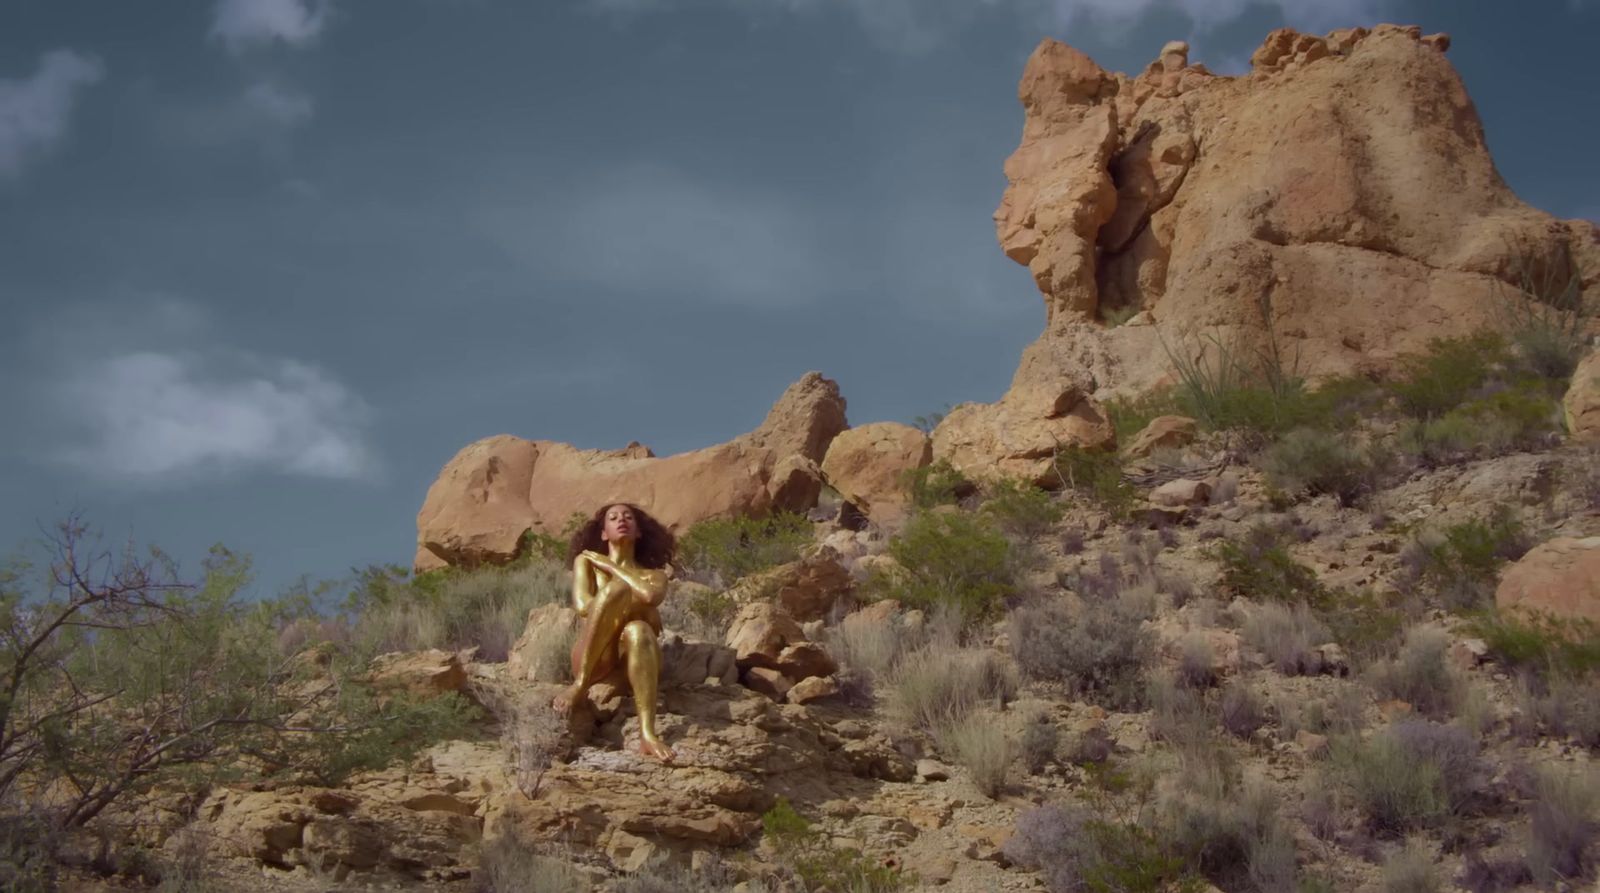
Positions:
{"x": 1181, "y": 492}
{"x": 1560, "y": 578}
{"x": 867, "y": 466}
{"x": 812, "y": 688}
{"x": 805, "y": 589}
{"x": 760, "y": 632}
{"x": 1163, "y": 432}
{"x": 1346, "y": 202}
{"x": 418, "y": 673}
{"x": 1582, "y": 402}
{"x": 493, "y": 491}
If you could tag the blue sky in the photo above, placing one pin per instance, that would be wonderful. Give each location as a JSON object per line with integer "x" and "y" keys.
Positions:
{"x": 267, "y": 264}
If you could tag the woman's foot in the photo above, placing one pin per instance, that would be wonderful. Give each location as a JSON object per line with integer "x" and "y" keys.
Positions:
{"x": 565, "y": 701}
{"x": 655, "y": 747}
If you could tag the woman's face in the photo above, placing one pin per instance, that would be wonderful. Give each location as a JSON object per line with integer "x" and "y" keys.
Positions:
{"x": 619, "y": 524}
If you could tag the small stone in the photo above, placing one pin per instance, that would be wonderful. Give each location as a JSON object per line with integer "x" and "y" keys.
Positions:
{"x": 932, "y": 770}
{"x": 812, "y": 688}
{"x": 937, "y": 870}
{"x": 1312, "y": 744}
{"x": 767, "y": 681}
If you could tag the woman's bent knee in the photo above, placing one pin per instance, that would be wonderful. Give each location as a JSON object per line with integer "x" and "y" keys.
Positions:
{"x": 638, "y": 633}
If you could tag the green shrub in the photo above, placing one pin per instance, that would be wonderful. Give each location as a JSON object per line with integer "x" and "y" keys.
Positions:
{"x": 950, "y": 559}
{"x": 28, "y": 853}
{"x": 1519, "y": 417}
{"x": 1097, "y": 477}
{"x": 1458, "y": 565}
{"x": 1432, "y": 383}
{"x": 1312, "y": 461}
{"x": 1365, "y": 623}
{"x": 983, "y": 747}
{"x": 1540, "y": 643}
{"x": 1225, "y": 390}
{"x": 1021, "y": 509}
{"x": 1260, "y": 567}
{"x": 1099, "y": 652}
{"x": 729, "y": 548}
{"x": 817, "y": 862}
{"x": 936, "y": 484}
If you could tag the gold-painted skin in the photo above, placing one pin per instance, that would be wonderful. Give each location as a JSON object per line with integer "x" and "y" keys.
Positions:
{"x": 618, "y": 599}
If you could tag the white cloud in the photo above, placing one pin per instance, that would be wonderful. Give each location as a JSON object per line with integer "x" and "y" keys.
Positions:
{"x": 165, "y": 400}
{"x": 153, "y": 417}
{"x": 919, "y": 25}
{"x": 277, "y": 104}
{"x": 243, "y": 23}
{"x": 34, "y": 111}
{"x": 647, "y": 230}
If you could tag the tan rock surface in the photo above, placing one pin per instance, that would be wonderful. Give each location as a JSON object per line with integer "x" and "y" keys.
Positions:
{"x": 866, "y": 465}
{"x": 1560, "y": 578}
{"x": 1163, "y": 432}
{"x": 419, "y": 673}
{"x": 805, "y": 589}
{"x": 1345, "y": 191}
{"x": 1582, "y": 402}
{"x": 760, "y": 632}
{"x": 494, "y": 490}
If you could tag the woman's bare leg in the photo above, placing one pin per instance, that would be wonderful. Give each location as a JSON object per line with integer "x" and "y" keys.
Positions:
{"x": 607, "y": 615}
{"x": 643, "y": 654}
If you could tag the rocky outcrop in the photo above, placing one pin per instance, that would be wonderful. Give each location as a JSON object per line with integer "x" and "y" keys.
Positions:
{"x": 1582, "y": 402}
{"x": 1560, "y": 578}
{"x": 805, "y": 590}
{"x": 1047, "y": 409}
{"x": 496, "y": 490}
{"x": 867, "y": 465}
{"x": 1340, "y": 196}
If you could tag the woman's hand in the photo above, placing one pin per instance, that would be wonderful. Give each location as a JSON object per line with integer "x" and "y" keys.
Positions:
{"x": 596, "y": 559}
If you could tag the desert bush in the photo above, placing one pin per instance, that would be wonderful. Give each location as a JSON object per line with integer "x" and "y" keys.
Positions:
{"x": 28, "y": 853}
{"x": 1410, "y": 870}
{"x": 1240, "y": 711}
{"x": 935, "y": 689}
{"x": 722, "y": 550}
{"x": 1196, "y": 660}
{"x": 982, "y": 746}
{"x": 1420, "y": 674}
{"x": 1453, "y": 749}
{"x": 950, "y": 559}
{"x": 1098, "y": 652}
{"x": 1260, "y": 567}
{"x": 1077, "y": 851}
{"x": 936, "y": 484}
{"x": 819, "y": 865}
{"x": 701, "y": 614}
{"x": 1412, "y": 774}
{"x": 1309, "y": 461}
{"x": 1178, "y": 714}
{"x": 1021, "y": 509}
{"x": 1518, "y": 416}
{"x": 1287, "y": 635}
{"x": 485, "y": 607}
{"x": 508, "y": 866}
{"x": 1227, "y": 828}
{"x": 1447, "y": 374}
{"x": 1391, "y": 789}
{"x": 1565, "y": 826}
{"x": 1569, "y": 707}
{"x": 660, "y": 874}
{"x": 1038, "y": 743}
{"x": 1224, "y": 389}
{"x": 189, "y": 868}
{"x": 869, "y": 643}
{"x": 1096, "y": 477}
{"x": 1546, "y": 316}
{"x": 1459, "y": 564}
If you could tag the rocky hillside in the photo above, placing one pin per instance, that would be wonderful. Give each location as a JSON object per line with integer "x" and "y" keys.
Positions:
{"x": 1275, "y": 569}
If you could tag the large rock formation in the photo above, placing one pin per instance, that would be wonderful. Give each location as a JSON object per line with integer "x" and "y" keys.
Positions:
{"x": 497, "y": 489}
{"x": 1582, "y": 402}
{"x": 1341, "y": 191}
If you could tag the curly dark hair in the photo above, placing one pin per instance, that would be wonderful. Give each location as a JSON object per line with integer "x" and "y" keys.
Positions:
{"x": 655, "y": 546}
